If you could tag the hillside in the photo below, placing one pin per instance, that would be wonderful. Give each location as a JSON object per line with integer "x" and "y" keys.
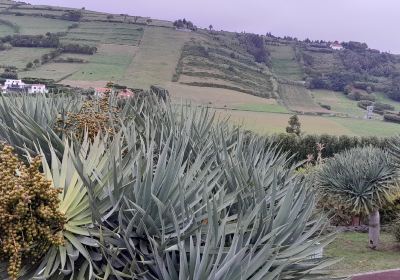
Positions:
{"x": 247, "y": 76}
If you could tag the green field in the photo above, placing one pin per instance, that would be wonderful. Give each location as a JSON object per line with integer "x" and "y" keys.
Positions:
{"x": 339, "y": 103}
{"x": 299, "y": 99}
{"x": 265, "y": 123}
{"x": 105, "y": 33}
{"x": 108, "y": 64}
{"x": 156, "y": 59}
{"x": 269, "y": 108}
{"x": 37, "y": 25}
{"x": 19, "y": 57}
{"x": 6, "y": 30}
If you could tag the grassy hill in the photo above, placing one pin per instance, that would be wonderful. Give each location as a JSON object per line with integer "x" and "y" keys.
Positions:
{"x": 258, "y": 85}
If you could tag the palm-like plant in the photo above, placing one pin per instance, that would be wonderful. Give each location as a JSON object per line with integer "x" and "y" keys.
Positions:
{"x": 363, "y": 180}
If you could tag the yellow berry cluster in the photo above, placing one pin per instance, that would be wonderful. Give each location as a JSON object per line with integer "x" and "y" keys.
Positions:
{"x": 30, "y": 220}
{"x": 94, "y": 117}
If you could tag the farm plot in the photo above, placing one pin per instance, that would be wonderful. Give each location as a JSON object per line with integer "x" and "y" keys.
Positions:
{"x": 299, "y": 99}
{"x": 339, "y": 103}
{"x": 6, "y": 30}
{"x": 262, "y": 122}
{"x": 29, "y": 25}
{"x": 206, "y": 63}
{"x": 156, "y": 58}
{"x": 94, "y": 33}
{"x": 19, "y": 57}
{"x": 220, "y": 98}
{"x": 27, "y": 11}
{"x": 284, "y": 64}
{"x": 108, "y": 64}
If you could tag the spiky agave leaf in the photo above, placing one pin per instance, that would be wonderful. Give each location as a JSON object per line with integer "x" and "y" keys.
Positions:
{"x": 88, "y": 193}
{"x": 230, "y": 207}
{"x": 394, "y": 149}
{"x": 363, "y": 179}
{"x": 26, "y": 121}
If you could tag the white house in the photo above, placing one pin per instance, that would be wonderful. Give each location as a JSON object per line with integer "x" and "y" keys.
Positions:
{"x": 336, "y": 46}
{"x": 37, "y": 88}
{"x": 14, "y": 84}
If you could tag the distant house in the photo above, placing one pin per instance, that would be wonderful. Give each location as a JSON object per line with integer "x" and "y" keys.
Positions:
{"x": 336, "y": 46}
{"x": 101, "y": 92}
{"x": 37, "y": 88}
{"x": 14, "y": 84}
{"x": 126, "y": 93}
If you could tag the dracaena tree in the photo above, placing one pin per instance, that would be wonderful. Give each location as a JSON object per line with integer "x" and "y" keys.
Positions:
{"x": 363, "y": 180}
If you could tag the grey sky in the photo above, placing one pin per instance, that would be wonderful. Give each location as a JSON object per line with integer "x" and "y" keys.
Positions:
{"x": 375, "y": 22}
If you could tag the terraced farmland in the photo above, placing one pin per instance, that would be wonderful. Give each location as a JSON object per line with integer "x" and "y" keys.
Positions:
{"x": 284, "y": 63}
{"x": 95, "y": 33}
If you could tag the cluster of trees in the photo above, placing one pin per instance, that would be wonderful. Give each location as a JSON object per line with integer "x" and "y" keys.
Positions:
{"x": 9, "y": 73}
{"x": 390, "y": 117}
{"x": 183, "y": 23}
{"x": 368, "y": 61}
{"x": 73, "y": 15}
{"x": 33, "y": 41}
{"x": 379, "y": 108}
{"x": 255, "y": 45}
{"x": 70, "y": 60}
{"x": 394, "y": 88}
{"x": 77, "y": 48}
{"x": 301, "y": 146}
{"x": 336, "y": 81}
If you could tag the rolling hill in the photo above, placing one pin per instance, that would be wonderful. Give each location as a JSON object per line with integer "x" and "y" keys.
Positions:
{"x": 257, "y": 80}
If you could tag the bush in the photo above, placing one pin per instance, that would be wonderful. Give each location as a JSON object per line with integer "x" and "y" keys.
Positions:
{"x": 325, "y": 106}
{"x": 389, "y": 117}
{"x": 358, "y": 95}
{"x": 395, "y": 229}
{"x": 301, "y": 147}
{"x": 364, "y": 104}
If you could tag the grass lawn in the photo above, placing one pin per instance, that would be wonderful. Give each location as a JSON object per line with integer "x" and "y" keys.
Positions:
{"x": 357, "y": 258}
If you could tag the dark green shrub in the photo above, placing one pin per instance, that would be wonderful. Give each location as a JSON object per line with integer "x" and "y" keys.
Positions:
{"x": 389, "y": 117}
{"x": 395, "y": 229}
{"x": 325, "y": 106}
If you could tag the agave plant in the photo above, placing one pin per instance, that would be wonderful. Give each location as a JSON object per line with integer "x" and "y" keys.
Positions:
{"x": 229, "y": 207}
{"x": 176, "y": 194}
{"x": 27, "y": 122}
{"x": 363, "y": 180}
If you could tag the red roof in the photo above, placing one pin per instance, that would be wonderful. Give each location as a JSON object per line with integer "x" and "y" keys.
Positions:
{"x": 126, "y": 93}
{"x": 102, "y": 90}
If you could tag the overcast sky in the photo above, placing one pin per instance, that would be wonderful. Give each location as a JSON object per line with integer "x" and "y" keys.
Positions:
{"x": 376, "y": 22}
